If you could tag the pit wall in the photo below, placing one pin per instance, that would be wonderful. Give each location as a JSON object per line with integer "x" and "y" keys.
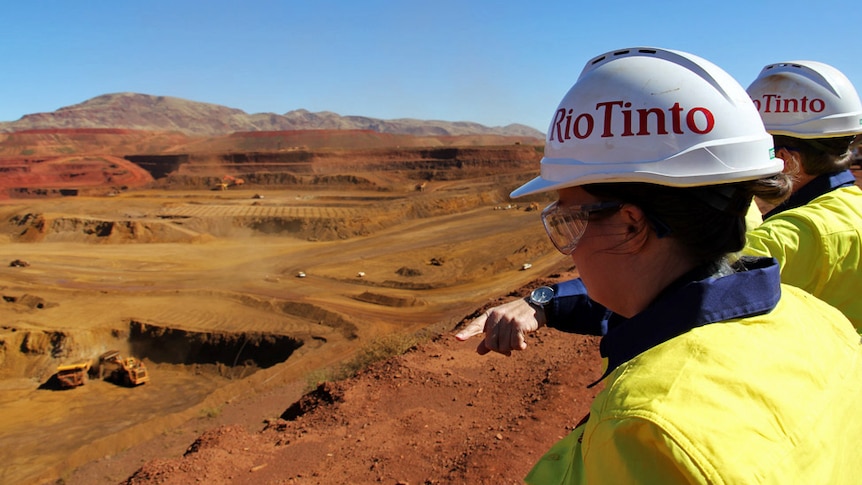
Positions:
{"x": 206, "y": 170}
{"x": 35, "y": 354}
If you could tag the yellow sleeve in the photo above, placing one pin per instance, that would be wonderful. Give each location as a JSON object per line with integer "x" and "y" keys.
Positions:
{"x": 635, "y": 450}
{"x": 793, "y": 243}
{"x": 753, "y": 217}
{"x": 629, "y": 451}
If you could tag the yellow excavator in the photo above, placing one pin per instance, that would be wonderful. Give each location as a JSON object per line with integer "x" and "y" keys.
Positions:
{"x": 127, "y": 371}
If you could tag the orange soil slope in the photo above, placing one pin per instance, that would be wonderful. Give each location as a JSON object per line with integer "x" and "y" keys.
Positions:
{"x": 41, "y": 162}
{"x": 28, "y": 176}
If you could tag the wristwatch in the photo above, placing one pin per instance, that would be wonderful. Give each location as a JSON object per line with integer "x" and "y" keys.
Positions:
{"x": 541, "y": 296}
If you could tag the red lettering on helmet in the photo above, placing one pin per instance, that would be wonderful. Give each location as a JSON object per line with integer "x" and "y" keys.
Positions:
{"x": 568, "y": 123}
{"x": 643, "y": 116}
{"x": 649, "y": 121}
{"x": 555, "y": 125}
{"x": 792, "y": 105}
{"x": 627, "y": 120}
{"x": 676, "y": 111}
{"x": 774, "y": 103}
{"x": 817, "y": 105}
{"x": 608, "y": 115}
{"x": 708, "y": 117}
{"x": 588, "y": 120}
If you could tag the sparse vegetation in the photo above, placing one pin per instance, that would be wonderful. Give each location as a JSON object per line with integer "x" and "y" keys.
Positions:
{"x": 210, "y": 412}
{"x": 376, "y": 351}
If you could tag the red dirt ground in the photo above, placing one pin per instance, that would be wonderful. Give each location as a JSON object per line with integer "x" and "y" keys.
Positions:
{"x": 437, "y": 414}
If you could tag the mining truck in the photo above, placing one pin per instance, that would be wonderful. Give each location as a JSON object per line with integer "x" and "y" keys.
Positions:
{"x": 73, "y": 375}
{"x": 127, "y": 371}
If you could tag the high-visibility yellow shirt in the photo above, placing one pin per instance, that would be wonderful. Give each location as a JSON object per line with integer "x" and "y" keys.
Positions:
{"x": 762, "y": 398}
{"x": 753, "y": 217}
{"x": 819, "y": 248}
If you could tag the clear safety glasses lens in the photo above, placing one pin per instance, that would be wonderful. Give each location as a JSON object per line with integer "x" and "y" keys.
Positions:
{"x": 566, "y": 225}
{"x": 564, "y": 228}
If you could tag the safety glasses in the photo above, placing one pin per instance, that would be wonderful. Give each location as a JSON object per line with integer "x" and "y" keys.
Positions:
{"x": 565, "y": 225}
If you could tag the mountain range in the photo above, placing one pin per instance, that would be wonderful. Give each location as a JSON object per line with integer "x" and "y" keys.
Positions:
{"x": 163, "y": 113}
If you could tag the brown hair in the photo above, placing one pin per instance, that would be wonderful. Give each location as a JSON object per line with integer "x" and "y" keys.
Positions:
{"x": 819, "y": 156}
{"x": 708, "y": 221}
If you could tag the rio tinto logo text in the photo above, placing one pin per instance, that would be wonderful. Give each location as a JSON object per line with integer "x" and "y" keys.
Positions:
{"x": 774, "y": 103}
{"x": 639, "y": 122}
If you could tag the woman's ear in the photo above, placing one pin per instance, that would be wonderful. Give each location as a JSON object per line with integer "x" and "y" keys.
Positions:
{"x": 792, "y": 164}
{"x": 637, "y": 229}
{"x": 633, "y": 218}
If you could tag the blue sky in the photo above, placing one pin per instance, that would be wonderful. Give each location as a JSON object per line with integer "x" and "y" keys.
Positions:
{"x": 492, "y": 62}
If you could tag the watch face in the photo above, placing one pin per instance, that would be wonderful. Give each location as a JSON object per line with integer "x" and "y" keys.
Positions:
{"x": 542, "y": 295}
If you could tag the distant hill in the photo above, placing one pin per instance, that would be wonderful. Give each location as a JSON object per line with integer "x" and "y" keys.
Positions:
{"x": 163, "y": 113}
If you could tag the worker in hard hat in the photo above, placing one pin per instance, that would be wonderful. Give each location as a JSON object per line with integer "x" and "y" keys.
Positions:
{"x": 714, "y": 371}
{"x": 814, "y": 114}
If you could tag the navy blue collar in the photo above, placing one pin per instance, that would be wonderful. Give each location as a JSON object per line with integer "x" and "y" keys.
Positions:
{"x": 823, "y": 184}
{"x": 692, "y": 302}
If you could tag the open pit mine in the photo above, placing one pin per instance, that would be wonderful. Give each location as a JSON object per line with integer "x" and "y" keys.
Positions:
{"x": 229, "y": 265}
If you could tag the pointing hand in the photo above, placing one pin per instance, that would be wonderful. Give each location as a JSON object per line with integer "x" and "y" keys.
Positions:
{"x": 504, "y": 327}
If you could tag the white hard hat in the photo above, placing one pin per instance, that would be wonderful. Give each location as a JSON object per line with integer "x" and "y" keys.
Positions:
{"x": 806, "y": 99}
{"x": 657, "y": 116}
